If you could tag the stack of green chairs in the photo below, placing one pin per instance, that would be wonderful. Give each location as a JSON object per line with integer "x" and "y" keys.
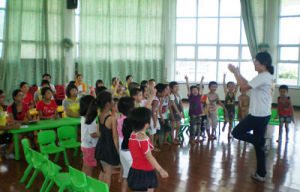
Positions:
{"x": 185, "y": 125}
{"x": 274, "y": 121}
{"x": 78, "y": 180}
{"x": 221, "y": 117}
{"x": 95, "y": 185}
{"x": 28, "y": 158}
{"x": 46, "y": 140}
{"x": 67, "y": 136}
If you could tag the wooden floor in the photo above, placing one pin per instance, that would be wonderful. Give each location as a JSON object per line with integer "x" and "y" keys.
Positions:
{"x": 214, "y": 164}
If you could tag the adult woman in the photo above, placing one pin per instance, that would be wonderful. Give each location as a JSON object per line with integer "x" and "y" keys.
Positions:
{"x": 259, "y": 110}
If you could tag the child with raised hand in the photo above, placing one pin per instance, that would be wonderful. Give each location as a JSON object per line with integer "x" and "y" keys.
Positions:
{"x": 71, "y": 103}
{"x": 213, "y": 99}
{"x": 177, "y": 110}
{"x": 195, "y": 109}
{"x": 137, "y": 95}
{"x": 230, "y": 90}
{"x": 107, "y": 148}
{"x": 89, "y": 137}
{"x": 147, "y": 99}
{"x": 142, "y": 175}
{"x": 285, "y": 111}
{"x": 47, "y": 107}
{"x": 243, "y": 107}
{"x": 204, "y": 107}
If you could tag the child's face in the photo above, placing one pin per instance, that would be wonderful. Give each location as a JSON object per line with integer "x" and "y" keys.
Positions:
{"x": 129, "y": 80}
{"x": 175, "y": 88}
{"x": 47, "y": 78}
{"x": 2, "y": 99}
{"x": 195, "y": 91}
{"x": 25, "y": 88}
{"x": 139, "y": 97}
{"x": 120, "y": 88}
{"x": 213, "y": 88}
{"x": 48, "y": 95}
{"x": 167, "y": 91}
{"x": 100, "y": 85}
{"x": 283, "y": 92}
{"x": 145, "y": 95}
{"x": 231, "y": 87}
{"x": 151, "y": 83}
{"x": 73, "y": 92}
{"x": 19, "y": 97}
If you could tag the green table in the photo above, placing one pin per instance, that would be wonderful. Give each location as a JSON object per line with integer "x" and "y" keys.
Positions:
{"x": 44, "y": 124}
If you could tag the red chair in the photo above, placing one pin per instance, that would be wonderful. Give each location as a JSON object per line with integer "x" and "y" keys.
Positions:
{"x": 60, "y": 92}
{"x": 33, "y": 89}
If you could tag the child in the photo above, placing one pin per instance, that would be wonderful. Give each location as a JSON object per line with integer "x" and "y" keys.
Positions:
{"x": 124, "y": 131}
{"x": 18, "y": 110}
{"x": 28, "y": 99}
{"x": 230, "y": 91}
{"x": 81, "y": 87}
{"x": 176, "y": 108}
{"x": 285, "y": 111}
{"x": 204, "y": 107}
{"x": 38, "y": 94}
{"x": 119, "y": 91}
{"x": 114, "y": 82}
{"x": 195, "y": 109}
{"x": 107, "y": 148}
{"x": 164, "y": 108}
{"x": 146, "y": 99}
{"x": 89, "y": 137}
{"x": 99, "y": 83}
{"x": 47, "y": 107}
{"x": 137, "y": 95}
{"x": 129, "y": 80}
{"x": 6, "y": 138}
{"x": 243, "y": 108}
{"x": 213, "y": 99}
{"x": 114, "y": 110}
{"x": 142, "y": 176}
{"x": 47, "y": 77}
{"x": 144, "y": 83}
{"x": 71, "y": 103}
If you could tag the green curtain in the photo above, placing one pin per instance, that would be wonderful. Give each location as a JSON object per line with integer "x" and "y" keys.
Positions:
{"x": 118, "y": 38}
{"x": 260, "y": 19}
{"x": 33, "y": 32}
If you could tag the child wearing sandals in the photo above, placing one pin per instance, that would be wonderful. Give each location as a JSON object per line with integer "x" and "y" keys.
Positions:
{"x": 142, "y": 175}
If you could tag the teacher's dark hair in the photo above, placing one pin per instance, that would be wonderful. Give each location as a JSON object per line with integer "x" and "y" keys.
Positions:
{"x": 265, "y": 59}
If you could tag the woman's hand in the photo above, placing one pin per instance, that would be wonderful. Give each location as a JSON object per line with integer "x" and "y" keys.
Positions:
{"x": 232, "y": 68}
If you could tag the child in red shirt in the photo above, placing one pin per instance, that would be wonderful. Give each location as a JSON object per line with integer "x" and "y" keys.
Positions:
{"x": 47, "y": 108}
{"x": 142, "y": 175}
{"x": 28, "y": 98}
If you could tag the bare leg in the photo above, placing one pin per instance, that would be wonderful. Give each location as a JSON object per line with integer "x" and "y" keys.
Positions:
{"x": 124, "y": 185}
{"x": 105, "y": 176}
{"x": 280, "y": 132}
{"x": 287, "y": 131}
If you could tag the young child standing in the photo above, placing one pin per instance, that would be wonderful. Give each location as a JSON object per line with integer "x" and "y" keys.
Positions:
{"x": 213, "y": 99}
{"x": 177, "y": 110}
{"x": 204, "y": 107}
{"x": 89, "y": 137}
{"x": 142, "y": 175}
{"x": 47, "y": 107}
{"x": 195, "y": 109}
{"x": 230, "y": 91}
{"x": 243, "y": 108}
{"x": 107, "y": 148}
{"x": 285, "y": 111}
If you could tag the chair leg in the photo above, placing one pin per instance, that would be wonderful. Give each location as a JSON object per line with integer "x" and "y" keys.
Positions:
{"x": 62, "y": 188}
{"x": 66, "y": 158}
{"x": 50, "y": 186}
{"x": 44, "y": 184}
{"x": 75, "y": 151}
{"x": 26, "y": 173}
{"x": 56, "y": 157}
{"x": 32, "y": 178}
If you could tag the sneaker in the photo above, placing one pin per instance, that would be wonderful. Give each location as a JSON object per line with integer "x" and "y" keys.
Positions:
{"x": 256, "y": 177}
{"x": 10, "y": 156}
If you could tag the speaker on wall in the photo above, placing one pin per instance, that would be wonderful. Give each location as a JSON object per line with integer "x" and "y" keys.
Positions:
{"x": 72, "y": 4}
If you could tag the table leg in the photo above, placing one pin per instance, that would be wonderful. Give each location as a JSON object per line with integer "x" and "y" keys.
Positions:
{"x": 17, "y": 150}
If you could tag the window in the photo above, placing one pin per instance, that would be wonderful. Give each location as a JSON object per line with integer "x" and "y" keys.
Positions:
{"x": 289, "y": 43}
{"x": 2, "y": 19}
{"x": 209, "y": 35}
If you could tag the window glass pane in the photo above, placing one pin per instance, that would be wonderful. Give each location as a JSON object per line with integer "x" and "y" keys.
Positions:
{"x": 186, "y": 8}
{"x": 2, "y": 3}
{"x": 207, "y": 52}
{"x": 289, "y": 53}
{"x": 29, "y": 50}
{"x": 230, "y": 30}
{"x": 186, "y": 31}
{"x": 185, "y": 68}
{"x": 186, "y": 52}
{"x": 230, "y": 8}
{"x": 229, "y": 52}
{"x": 290, "y": 7}
{"x": 208, "y": 8}
{"x": 223, "y": 69}
{"x": 247, "y": 70}
{"x": 287, "y": 73}
{"x": 208, "y": 31}
{"x": 207, "y": 69}
{"x": 246, "y": 53}
{"x": 289, "y": 33}
{"x": 2, "y": 15}
{"x": 77, "y": 30}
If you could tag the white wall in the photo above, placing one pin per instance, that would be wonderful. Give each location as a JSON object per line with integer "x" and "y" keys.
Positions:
{"x": 293, "y": 93}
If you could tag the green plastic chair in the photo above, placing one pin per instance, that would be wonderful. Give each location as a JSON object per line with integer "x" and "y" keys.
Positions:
{"x": 273, "y": 121}
{"x": 67, "y": 136}
{"x": 184, "y": 125}
{"x": 27, "y": 155}
{"x": 95, "y": 185}
{"x": 46, "y": 140}
{"x": 221, "y": 117}
{"x": 78, "y": 180}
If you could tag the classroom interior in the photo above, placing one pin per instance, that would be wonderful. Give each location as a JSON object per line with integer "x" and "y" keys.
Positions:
{"x": 163, "y": 40}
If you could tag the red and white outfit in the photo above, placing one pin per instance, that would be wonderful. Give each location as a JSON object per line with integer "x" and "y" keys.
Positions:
{"x": 47, "y": 109}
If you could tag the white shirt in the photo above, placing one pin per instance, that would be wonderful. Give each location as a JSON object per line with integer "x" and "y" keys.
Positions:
{"x": 261, "y": 95}
{"x": 172, "y": 98}
{"x": 86, "y": 140}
